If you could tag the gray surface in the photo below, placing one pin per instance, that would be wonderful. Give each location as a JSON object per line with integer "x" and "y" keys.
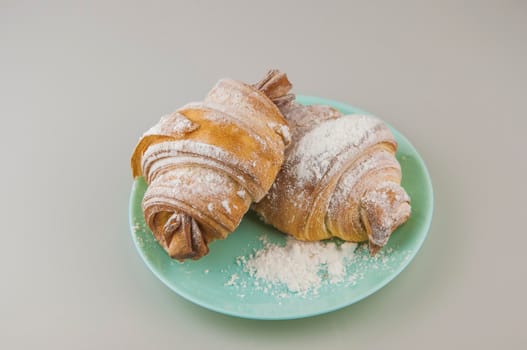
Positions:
{"x": 79, "y": 84}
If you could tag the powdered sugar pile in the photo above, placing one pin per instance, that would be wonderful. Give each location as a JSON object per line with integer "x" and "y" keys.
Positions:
{"x": 301, "y": 266}
{"x": 305, "y": 269}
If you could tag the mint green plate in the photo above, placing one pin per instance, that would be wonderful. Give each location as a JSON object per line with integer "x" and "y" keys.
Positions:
{"x": 209, "y": 282}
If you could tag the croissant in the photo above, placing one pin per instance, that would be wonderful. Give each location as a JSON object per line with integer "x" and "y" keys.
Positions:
{"x": 340, "y": 178}
{"x": 208, "y": 161}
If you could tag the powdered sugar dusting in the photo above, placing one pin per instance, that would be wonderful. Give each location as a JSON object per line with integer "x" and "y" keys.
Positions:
{"x": 232, "y": 280}
{"x": 174, "y": 124}
{"x": 165, "y": 155}
{"x": 282, "y": 130}
{"x": 195, "y": 181}
{"x": 225, "y": 205}
{"x": 319, "y": 146}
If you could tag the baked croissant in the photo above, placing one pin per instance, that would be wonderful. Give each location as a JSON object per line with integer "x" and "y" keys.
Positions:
{"x": 340, "y": 179}
{"x": 208, "y": 161}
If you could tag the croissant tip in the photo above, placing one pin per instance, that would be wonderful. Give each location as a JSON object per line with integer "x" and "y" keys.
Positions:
{"x": 374, "y": 248}
{"x": 276, "y": 86}
{"x": 181, "y": 255}
{"x": 182, "y": 239}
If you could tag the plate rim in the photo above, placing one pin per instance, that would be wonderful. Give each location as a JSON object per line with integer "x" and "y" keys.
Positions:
{"x": 427, "y": 221}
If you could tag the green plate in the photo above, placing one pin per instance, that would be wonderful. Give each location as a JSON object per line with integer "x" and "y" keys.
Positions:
{"x": 209, "y": 281}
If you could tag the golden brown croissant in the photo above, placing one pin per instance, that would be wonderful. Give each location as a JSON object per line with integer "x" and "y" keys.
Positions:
{"x": 340, "y": 179}
{"x": 205, "y": 163}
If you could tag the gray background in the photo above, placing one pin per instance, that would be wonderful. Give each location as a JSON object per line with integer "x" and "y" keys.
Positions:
{"x": 80, "y": 83}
